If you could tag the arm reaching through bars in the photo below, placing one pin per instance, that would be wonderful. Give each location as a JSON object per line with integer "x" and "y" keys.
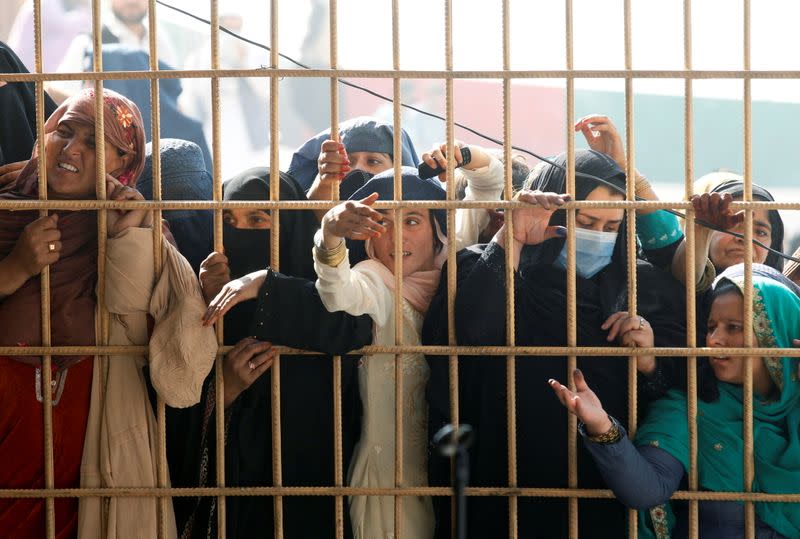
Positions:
{"x": 640, "y": 477}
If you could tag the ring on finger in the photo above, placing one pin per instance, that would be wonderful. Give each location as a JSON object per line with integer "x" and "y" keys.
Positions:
{"x": 51, "y": 247}
{"x": 641, "y": 322}
{"x": 251, "y": 365}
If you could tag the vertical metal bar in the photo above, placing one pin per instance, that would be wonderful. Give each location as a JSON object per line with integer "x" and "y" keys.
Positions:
{"x": 691, "y": 298}
{"x": 163, "y": 480}
{"x": 511, "y": 360}
{"x": 216, "y": 148}
{"x": 452, "y": 277}
{"x": 633, "y": 520}
{"x": 275, "y": 233}
{"x": 748, "y": 282}
{"x": 398, "y": 276}
{"x": 337, "y": 360}
{"x": 47, "y": 394}
{"x": 100, "y": 180}
{"x": 572, "y": 331}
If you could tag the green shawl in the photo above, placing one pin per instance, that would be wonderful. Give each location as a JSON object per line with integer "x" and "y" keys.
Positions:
{"x": 720, "y": 448}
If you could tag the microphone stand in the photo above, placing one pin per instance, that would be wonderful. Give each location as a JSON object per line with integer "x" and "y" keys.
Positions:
{"x": 455, "y": 442}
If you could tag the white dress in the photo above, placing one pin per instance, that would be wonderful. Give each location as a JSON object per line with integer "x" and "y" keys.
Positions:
{"x": 360, "y": 291}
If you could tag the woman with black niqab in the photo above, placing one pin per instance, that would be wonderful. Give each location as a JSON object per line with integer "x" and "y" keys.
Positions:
{"x": 286, "y": 311}
{"x": 541, "y": 320}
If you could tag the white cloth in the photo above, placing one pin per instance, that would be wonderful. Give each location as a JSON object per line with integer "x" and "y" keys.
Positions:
{"x": 358, "y": 292}
{"x": 120, "y": 449}
{"x": 485, "y": 183}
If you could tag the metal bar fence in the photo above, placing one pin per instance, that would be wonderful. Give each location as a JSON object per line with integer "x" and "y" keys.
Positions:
{"x": 339, "y": 490}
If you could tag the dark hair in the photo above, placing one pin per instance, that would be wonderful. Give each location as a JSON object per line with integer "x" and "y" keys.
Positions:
{"x": 724, "y": 287}
{"x": 437, "y": 243}
{"x": 707, "y": 388}
{"x": 519, "y": 168}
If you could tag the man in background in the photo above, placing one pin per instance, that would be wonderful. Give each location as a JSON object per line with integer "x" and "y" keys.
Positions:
{"x": 124, "y": 22}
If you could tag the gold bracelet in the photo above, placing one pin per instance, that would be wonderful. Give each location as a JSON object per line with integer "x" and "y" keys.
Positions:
{"x": 331, "y": 257}
{"x": 611, "y": 436}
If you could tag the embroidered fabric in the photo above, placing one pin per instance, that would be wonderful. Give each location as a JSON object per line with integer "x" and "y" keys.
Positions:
{"x": 373, "y": 462}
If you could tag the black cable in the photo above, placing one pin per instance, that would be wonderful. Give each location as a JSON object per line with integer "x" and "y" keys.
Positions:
{"x": 475, "y": 132}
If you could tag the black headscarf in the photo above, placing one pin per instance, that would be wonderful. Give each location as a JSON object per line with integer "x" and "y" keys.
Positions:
{"x": 541, "y": 319}
{"x": 306, "y": 389}
{"x": 735, "y": 188}
{"x": 18, "y": 111}
{"x": 250, "y": 250}
{"x": 553, "y": 179}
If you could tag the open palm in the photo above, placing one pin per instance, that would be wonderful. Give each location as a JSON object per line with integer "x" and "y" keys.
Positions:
{"x": 531, "y": 224}
{"x": 583, "y": 403}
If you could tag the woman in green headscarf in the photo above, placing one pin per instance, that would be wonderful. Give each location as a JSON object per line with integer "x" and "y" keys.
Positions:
{"x": 644, "y": 473}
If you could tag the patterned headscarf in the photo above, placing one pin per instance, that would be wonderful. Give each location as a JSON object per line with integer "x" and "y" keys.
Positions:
{"x": 122, "y": 122}
{"x": 776, "y": 424}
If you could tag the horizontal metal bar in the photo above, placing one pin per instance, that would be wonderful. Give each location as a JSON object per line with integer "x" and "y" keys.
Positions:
{"x": 353, "y": 491}
{"x": 405, "y": 73}
{"x": 584, "y": 351}
{"x": 78, "y": 205}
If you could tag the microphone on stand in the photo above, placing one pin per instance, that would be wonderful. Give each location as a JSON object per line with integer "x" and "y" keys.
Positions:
{"x": 455, "y": 442}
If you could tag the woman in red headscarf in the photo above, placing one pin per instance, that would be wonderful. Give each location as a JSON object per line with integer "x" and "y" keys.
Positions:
{"x": 103, "y": 427}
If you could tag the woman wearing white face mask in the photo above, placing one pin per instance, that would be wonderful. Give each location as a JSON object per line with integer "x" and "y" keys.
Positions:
{"x": 539, "y": 257}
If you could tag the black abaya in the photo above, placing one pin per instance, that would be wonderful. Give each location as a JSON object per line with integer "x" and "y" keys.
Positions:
{"x": 288, "y": 312}
{"x": 540, "y": 313}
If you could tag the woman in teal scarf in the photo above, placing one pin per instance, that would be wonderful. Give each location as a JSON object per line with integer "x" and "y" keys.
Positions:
{"x": 644, "y": 473}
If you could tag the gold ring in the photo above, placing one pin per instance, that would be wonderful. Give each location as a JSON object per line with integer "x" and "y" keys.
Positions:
{"x": 51, "y": 247}
{"x": 641, "y": 322}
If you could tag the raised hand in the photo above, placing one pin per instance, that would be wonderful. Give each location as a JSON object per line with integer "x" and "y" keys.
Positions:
{"x": 214, "y": 274}
{"x": 601, "y": 134}
{"x": 632, "y": 331}
{"x": 437, "y": 157}
{"x": 356, "y": 220}
{"x": 583, "y": 403}
{"x": 244, "y": 364}
{"x": 333, "y": 163}
{"x": 716, "y": 209}
{"x": 120, "y": 220}
{"x": 531, "y": 224}
{"x": 236, "y": 291}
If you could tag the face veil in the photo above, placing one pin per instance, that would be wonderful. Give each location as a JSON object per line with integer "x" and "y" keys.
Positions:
{"x": 251, "y": 250}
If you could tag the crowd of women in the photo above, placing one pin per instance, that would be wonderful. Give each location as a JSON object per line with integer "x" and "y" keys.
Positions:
{"x": 334, "y": 292}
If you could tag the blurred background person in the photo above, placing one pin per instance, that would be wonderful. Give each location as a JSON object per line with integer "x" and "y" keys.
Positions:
{"x": 244, "y": 102}
{"x": 124, "y": 22}
{"x": 62, "y": 22}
